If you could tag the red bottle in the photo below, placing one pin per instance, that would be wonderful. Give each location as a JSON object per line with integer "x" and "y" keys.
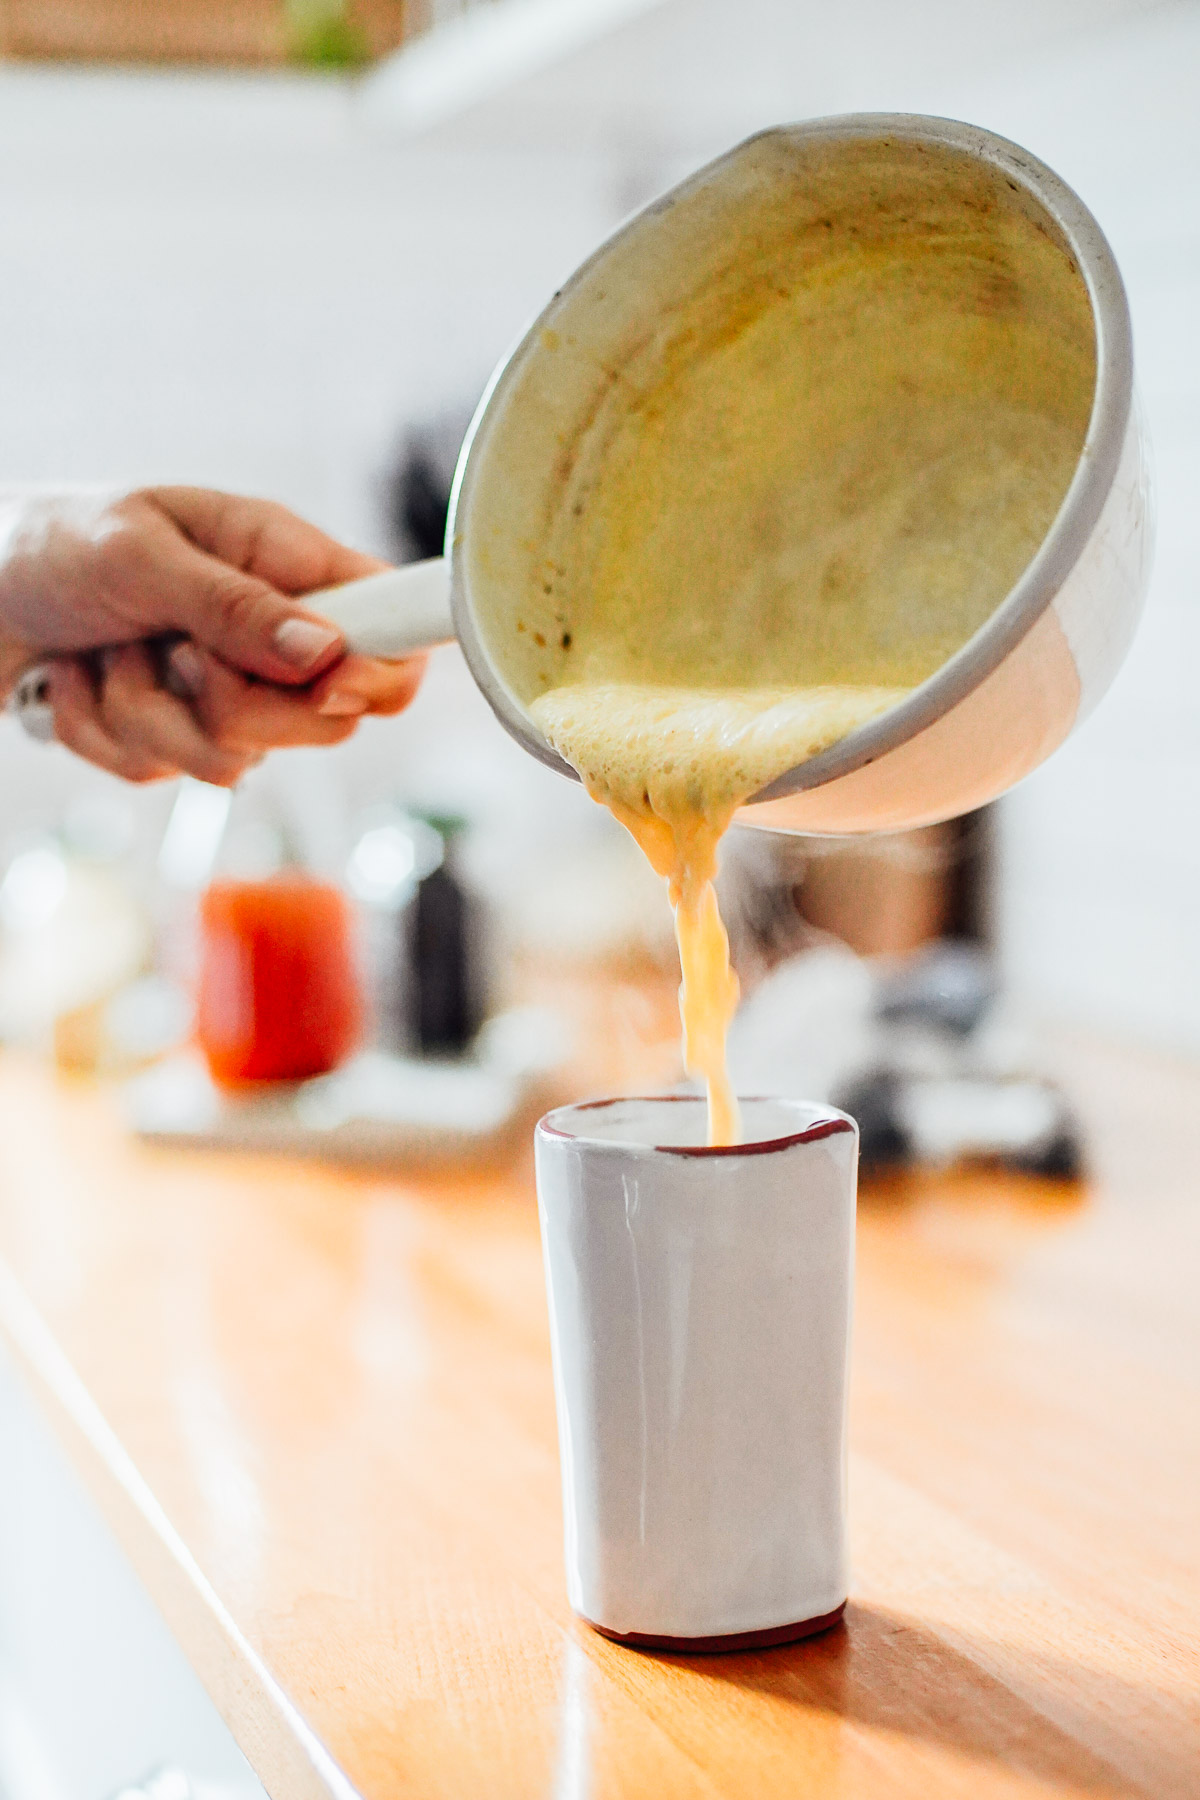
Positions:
{"x": 279, "y": 992}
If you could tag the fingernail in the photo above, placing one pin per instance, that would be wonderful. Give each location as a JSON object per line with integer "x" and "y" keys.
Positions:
{"x": 303, "y": 643}
{"x": 187, "y": 670}
{"x": 342, "y": 706}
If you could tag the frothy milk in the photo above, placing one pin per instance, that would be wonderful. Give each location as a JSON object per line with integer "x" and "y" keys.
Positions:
{"x": 674, "y": 764}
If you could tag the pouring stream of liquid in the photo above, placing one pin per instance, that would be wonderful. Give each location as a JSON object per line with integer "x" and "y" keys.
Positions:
{"x": 673, "y": 765}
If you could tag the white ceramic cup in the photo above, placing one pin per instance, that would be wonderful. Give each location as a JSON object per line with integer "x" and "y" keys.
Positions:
{"x": 699, "y": 1323}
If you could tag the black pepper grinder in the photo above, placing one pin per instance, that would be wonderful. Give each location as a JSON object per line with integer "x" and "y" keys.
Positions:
{"x": 444, "y": 990}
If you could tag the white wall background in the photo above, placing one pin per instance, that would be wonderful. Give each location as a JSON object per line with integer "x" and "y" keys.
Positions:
{"x": 1100, "y": 896}
{"x": 240, "y": 281}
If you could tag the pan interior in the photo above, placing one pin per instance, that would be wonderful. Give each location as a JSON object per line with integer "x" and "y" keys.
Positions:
{"x": 806, "y": 422}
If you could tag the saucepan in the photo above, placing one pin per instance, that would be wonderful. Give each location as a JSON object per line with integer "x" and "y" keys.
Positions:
{"x": 944, "y": 273}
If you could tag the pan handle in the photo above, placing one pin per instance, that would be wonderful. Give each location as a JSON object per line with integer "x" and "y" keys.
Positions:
{"x": 393, "y": 614}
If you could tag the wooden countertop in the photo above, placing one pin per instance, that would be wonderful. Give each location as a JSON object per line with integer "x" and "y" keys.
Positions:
{"x": 317, "y": 1409}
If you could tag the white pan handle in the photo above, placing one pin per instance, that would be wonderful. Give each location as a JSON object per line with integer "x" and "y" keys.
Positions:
{"x": 390, "y": 615}
{"x": 393, "y": 614}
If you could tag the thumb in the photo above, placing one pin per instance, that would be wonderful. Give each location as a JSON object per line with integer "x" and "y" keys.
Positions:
{"x": 246, "y": 622}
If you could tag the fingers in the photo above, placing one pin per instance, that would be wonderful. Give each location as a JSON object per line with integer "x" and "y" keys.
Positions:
{"x": 224, "y": 571}
{"x": 247, "y": 559}
{"x": 246, "y": 621}
{"x": 79, "y": 724}
{"x": 125, "y": 721}
{"x": 363, "y": 684}
{"x": 130, "y": 724}
{"x": 85, "y": 571}
{"x": 140, "y": 712}
{"x": 263, "y": 538}
{"x": 252, "y": 716}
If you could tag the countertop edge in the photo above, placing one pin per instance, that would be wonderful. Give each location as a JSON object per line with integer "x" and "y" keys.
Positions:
{"x": 286, "y": 1755}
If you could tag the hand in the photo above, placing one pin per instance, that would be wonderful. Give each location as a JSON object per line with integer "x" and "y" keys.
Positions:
{"x": 86, "y": 578}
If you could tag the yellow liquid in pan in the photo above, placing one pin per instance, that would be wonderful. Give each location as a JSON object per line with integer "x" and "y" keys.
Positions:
{"x": 674, "y": 764}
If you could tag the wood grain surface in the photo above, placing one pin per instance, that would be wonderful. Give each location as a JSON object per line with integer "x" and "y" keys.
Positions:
{"x": 317, "y": 1409}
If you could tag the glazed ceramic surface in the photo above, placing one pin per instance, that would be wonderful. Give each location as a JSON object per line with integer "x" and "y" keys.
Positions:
{"x": 700, "y": 1313}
